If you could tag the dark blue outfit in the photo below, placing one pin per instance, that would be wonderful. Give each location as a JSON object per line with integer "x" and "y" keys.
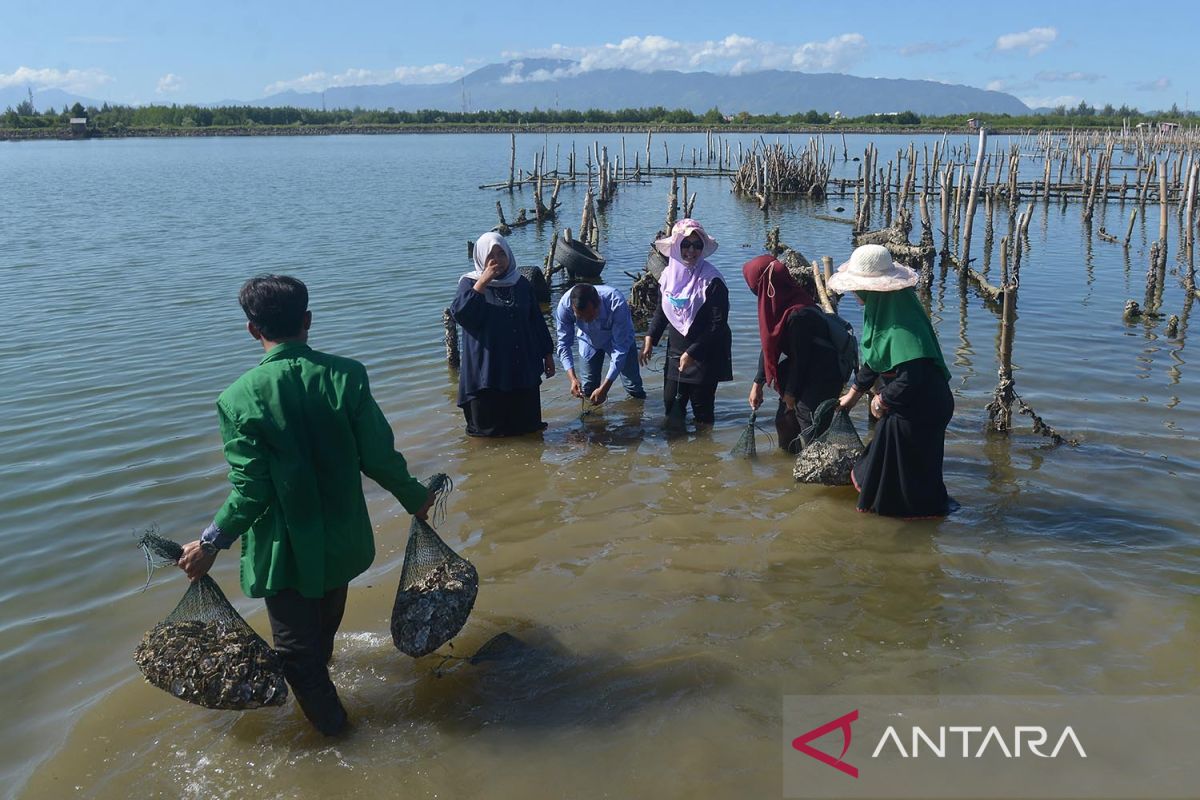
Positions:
{"x": 505, "y": 342}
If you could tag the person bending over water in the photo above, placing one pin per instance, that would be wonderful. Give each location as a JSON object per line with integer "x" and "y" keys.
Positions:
{"x": 797, "y": 359}
{"x": 900, "y": 474}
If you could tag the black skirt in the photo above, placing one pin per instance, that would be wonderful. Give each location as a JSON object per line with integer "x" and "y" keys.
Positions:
{"x": 492, "y": 412}
{"x": 900, "y": 474}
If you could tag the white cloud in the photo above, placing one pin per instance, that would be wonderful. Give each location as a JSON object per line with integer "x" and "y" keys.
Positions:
{"x": 1052, "y": 76}
{"x": 1068, "y": 100}
{"x": 735, "y": 54}
{"x": 1032, "y": 41}
{"x": 833, "y": 54}
{"x": 1160, "y": 85}
{"x": 1008, "y": 85}
{"x": 72, "y": 80}
{"x": 318, "y": 81}
{"x": 169, "y": 84}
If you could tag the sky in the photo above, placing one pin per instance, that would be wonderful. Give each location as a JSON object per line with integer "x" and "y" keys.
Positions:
{"x": 1045, "y": 53}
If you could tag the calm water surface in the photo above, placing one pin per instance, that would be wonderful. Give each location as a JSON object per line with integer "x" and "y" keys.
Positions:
{"x": 669, "y": 595}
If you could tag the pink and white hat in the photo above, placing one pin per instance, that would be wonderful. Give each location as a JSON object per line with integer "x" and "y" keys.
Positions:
{"x": 871, "y": 269}
{"x": 681, "y": 230}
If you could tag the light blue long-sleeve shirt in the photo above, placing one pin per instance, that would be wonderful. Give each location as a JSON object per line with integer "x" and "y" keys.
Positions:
{"x": 611, "y": 332}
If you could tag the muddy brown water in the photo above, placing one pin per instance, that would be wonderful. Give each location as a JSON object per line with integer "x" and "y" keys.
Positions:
{"x": 665, "y": 595}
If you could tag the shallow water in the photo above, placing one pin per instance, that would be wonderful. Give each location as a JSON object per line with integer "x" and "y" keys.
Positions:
{"x": 669, "y": 595}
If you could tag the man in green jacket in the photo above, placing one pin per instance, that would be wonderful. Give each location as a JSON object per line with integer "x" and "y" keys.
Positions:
{"x": 298, "y": 429}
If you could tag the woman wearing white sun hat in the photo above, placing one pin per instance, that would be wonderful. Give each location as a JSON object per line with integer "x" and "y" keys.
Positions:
{"x": 900, "y": 474}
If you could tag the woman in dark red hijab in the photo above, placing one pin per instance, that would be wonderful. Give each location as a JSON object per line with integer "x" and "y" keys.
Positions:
{"x": 798, "y": 359}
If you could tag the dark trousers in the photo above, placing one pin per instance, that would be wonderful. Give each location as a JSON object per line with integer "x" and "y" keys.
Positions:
{"x": 512, "y": 413}
{"x": 303, "y": 629}
{"x": 789, "y": 424}
{"x": 702, "y": 396}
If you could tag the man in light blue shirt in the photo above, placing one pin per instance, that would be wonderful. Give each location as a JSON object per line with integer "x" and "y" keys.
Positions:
{"x": 599, "y": 317}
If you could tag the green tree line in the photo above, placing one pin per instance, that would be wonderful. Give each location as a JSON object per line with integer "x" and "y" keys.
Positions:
{"x": 118, "y": 118}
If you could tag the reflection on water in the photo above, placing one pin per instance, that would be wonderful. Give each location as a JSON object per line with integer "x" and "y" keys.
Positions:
{"x": 664, "y": 595}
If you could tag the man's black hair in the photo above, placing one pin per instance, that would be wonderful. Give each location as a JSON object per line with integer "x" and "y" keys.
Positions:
{"x": 584, "y": 295}
{"x": 275, "y": 304}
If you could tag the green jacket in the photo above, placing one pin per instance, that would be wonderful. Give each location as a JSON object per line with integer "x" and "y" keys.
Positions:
{"x": 298, "y": 429}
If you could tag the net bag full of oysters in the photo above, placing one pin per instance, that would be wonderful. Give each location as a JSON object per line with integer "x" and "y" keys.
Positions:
{"x": 204, "y": 652}
{"x": 828, "y": 456}
{"x": 437, "y": 586}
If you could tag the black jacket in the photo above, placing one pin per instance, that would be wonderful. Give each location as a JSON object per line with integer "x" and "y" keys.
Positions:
{"x": 807, "y": 370}
{"x": 709, "y": 340}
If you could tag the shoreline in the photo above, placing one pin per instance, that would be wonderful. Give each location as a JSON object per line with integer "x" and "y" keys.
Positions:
{"x": 58, "y": 134}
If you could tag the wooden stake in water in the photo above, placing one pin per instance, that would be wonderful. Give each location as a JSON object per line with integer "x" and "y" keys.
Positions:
{"x": 451, "y": 339}
{"x": 965, "y": 247}
{"x": 1162, "y": 208}
{"x": 1129, "y": 230}
{"x": 512, "y": 162}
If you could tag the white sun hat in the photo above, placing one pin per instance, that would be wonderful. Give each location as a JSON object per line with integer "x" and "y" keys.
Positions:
{"x": 871, "y": 269}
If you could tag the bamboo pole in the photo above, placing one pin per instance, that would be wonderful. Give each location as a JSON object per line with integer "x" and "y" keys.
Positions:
{"x": 1162, "y": 209}
{"x": 512, "y": 162}
{"x": 819, "y": 279}
{"x": 965, "y": 247}
{"x": 1000, "y": 409}
{"x": 1189, "y": 220}
{"x": 946, "y": 213}
{"x": 1129, "y": 230}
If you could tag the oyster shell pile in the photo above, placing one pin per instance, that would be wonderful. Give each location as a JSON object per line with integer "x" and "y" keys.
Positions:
{"x": 212, "y": 664}
{"x": 827, "y": 463}
{"x": 432, "y": 610}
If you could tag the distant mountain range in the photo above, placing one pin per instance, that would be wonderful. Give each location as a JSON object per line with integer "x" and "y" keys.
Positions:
{"x": 549, "y": 84}
{"x": 12, "y": 96}
{"x": 558, "y": 84}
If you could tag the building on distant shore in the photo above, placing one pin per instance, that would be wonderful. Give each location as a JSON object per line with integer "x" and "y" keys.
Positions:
{"x": 1161, "y": 127}
{"x": 79, "y": 126}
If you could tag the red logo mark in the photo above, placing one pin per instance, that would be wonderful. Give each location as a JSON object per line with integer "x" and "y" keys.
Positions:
{"x": 801, "y": 743}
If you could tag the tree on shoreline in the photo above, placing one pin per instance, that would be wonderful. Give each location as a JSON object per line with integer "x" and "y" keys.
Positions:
{"x": 121, "y": 118}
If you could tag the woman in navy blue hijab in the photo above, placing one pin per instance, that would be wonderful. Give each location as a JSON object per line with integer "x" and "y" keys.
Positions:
{"x": 506, "y": 346}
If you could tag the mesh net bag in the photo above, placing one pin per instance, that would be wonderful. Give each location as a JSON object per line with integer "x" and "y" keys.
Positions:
{"x": 204, "y": 652}
{"x": 830, "y": 455}
{"x": 745, "y": 447}
{"x": 437, "y": 586}
{"x": 677, "y": 413}
{"x": 822, "y": 416}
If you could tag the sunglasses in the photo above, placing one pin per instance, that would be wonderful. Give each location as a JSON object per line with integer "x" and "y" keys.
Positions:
{"x": 691, "y": 244}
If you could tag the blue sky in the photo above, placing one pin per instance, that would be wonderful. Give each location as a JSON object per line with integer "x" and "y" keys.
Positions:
{"x": 1045, "y": 53}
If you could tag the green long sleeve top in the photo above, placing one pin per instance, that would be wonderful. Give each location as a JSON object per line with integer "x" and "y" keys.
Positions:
{"x": 297, "y": 430}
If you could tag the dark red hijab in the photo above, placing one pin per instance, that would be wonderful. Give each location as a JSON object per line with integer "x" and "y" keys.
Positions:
{"x": 778, "y": 296}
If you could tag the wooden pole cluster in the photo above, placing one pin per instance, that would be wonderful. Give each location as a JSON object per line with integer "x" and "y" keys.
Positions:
{"x": 589, "y": 228}
{"x": 772, "y": 170}
{"x": 718, "y": 159}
